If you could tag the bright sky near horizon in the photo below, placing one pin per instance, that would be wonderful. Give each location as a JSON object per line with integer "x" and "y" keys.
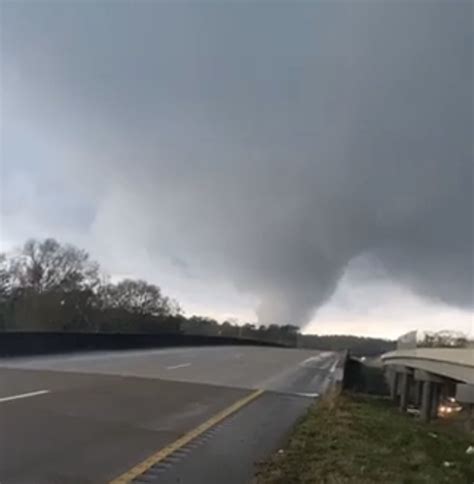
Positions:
{"x": 307, "y": 163}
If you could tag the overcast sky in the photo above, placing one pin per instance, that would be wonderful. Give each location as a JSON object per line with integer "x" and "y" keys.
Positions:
{"x": 309, "y": 163}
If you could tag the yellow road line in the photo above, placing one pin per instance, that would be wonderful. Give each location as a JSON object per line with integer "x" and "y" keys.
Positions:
{"x": 182, "y": 441}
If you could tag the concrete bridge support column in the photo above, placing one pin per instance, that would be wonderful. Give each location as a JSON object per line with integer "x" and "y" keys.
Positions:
{"x": 401, "y": 385}
{"x": 435, "y": 396}
{"x": 426, "y": 401}
{"x": 417, "y": 392}
{"x": 405, "y": 384}
{"x": 465, "y": 395}
{"x": 430, "y": 394}
{"x": 393, "y": 379}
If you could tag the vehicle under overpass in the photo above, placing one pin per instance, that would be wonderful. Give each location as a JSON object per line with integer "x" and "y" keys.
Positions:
{"x": 423, "y": 375}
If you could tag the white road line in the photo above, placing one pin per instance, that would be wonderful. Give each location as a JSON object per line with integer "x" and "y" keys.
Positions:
{"x": 310, "y": 360}
{"x": 23, "y": 395}
{"x": 175, "y": 367}
{"x": 333, "y": 367}
{"x": 316, "y": 359}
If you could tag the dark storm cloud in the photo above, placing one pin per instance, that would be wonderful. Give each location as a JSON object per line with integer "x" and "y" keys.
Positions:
{"x": 268, "y": 144}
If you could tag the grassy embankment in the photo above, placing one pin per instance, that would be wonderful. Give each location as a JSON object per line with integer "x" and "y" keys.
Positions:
{"x": 360, "y": 439}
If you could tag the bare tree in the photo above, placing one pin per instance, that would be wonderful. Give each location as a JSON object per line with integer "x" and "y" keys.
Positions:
{"x": 49, "y": 266}
{"x": 5, "y": 277}
{"x": 137, "y": 297}
{"x": 444, "y": 339}
{"x": 172, "y": 307}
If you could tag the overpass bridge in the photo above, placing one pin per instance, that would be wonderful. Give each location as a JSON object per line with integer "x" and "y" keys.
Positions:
{"x": 424, "y": 375}
{"x": 153, "y": 414}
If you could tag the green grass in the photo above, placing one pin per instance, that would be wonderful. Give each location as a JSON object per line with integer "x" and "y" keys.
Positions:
{"x": 360, "y": 439}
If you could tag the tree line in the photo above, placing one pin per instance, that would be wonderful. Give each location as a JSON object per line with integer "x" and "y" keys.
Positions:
{"x": 358, "y": 345}
{"x": 46, "y": 285}
{"x": 49, "y": 286}
{"x": 444, "y": 339}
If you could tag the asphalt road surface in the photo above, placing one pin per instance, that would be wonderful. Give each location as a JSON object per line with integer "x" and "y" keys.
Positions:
{"x": 89, "y": 418}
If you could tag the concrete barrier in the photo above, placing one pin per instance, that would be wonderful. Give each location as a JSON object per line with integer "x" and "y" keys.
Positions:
{"x": 362, "y": 378}
{"x": 31, "y": 343}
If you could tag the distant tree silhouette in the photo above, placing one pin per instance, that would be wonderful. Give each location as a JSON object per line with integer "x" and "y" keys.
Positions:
{"x": 5, "y": 277}
{"x": 136, "y": 297}
{"x": 358, "y": 346}
{"x": 46, "y": 285}
{"x": 444, "y": 339}
{"x": 47, "y": 265}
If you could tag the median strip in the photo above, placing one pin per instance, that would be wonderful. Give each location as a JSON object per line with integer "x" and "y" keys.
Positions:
{"x": 184, "y": 440}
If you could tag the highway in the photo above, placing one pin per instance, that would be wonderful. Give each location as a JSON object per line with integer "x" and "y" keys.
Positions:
{"x": 204, "y": 414}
